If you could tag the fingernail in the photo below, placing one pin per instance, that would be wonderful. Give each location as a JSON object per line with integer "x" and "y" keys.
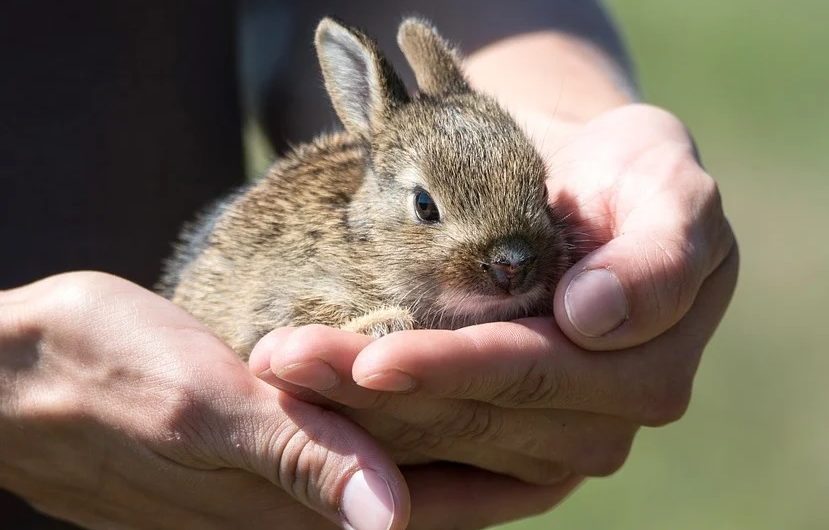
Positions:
{"x": 388, "y": 381}
{"x": 367, "y": 502}
{"x": 316, "y": 375}
{"x": 595, "y": 302}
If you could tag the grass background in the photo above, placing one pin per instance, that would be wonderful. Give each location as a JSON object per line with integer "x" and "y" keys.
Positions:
{"x": 751, "y": 79}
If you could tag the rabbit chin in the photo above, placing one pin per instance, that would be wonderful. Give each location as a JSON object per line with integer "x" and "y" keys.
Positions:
{"x": 461, "y": 308}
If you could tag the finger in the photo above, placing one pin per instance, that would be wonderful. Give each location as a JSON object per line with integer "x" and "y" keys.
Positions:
{"x": 529, "y": 363}
{"x": 431, "y": 429}
{"x": 411, "y": 445}
{"x": 315, "y": 357}
{"x": 259, "y": 360}
{"x": 259, "y": 364}
{"x": 458, "y": 430}
{"x": 319, "y": 458}
{"x": 485, "y": 500}
{"x": 535, "y": 446}
{"x": 635, "y": 287}
{"x": 669, "y": 235}
{"x": 308, "y": 360}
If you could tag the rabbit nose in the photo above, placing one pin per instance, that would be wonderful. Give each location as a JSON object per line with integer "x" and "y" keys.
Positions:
{"x": 509, "y": 266}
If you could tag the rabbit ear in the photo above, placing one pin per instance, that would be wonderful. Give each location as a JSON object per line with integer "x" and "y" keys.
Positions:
{"x": 362, "y": 85}
{"x": 436, "y": 64}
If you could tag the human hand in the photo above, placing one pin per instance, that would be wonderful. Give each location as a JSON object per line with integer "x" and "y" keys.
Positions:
{"x": 118, "y": 409}
{"x": 524, "y": 398}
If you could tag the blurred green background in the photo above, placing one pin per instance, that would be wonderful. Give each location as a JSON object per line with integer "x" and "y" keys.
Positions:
{"x": 751, "y": 79}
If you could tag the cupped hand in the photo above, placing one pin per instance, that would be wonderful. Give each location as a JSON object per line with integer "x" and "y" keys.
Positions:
{"x": 650, "y": 220}
{"x": 548, "y": 400}
{"x": 118, "y": 409}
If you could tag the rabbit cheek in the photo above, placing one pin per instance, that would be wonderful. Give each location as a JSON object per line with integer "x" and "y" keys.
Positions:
{"x": 510, "y": 277}
{"x": 459, "y": 308}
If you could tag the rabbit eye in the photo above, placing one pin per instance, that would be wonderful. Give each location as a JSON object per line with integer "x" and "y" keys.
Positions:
{"x": 425, "y": 207}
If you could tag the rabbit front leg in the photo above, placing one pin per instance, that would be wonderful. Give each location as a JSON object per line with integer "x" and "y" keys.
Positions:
{"x": 381, "y": 322}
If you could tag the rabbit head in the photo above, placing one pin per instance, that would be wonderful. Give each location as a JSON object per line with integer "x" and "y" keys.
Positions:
{"x": 453, "y": 214}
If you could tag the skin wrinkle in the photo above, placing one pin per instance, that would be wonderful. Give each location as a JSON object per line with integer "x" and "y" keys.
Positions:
{"x": 472, "y": 424}
{"x": 297, "y": 470}
{"x": 465, "y": 409}
{"x": 417, "y": 439}
{"x": 545, "y": 387}
{"x": 288, "y": 461}
{"x": 541, "y": 471}
{"x": 502, "y": 396}
{"x": 686, "y": 290}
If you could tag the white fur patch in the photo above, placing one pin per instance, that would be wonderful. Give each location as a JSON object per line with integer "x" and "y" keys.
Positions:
{"x": 467, "y": 308}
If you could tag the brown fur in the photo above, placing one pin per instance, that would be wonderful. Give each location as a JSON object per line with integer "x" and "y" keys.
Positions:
{"x": 330, "y": 235}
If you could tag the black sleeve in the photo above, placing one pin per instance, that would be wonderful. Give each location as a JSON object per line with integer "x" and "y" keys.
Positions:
{"x": 117, "y": 121}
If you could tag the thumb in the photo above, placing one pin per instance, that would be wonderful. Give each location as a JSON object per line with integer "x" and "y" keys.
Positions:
{"x": 643, "y": 281}
{"x": 324, "y": 461}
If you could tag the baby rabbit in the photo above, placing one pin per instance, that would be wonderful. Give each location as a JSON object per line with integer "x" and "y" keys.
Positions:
{"x": 426, "y": 212}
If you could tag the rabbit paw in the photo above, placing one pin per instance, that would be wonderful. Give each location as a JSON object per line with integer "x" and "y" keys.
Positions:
{"x": 381, "y": 322}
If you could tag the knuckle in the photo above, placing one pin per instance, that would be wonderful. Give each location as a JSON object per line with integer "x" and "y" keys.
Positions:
{"x": 604, "y": 457}
{"x": 80, "y": 290}
{"x": 710, "y": 193}
{"x": 546, "y": 473}
{"x": 610, "y": 460}
{"x": 307, "y": 338}
{"x": 299, "y": 461}
{"x": 674, "y": 274}
{"x": 705, "y": 189}
{"x": 679, "y": 258}
{"x": 715, "y": 231}
{"x": 470, "y": 386}
{"x": 668, "y": 410}
{"x": 74, "y": 297}
{"x": 410, "y": 439}
{"x": 668, "y": 402}
{"x": 311, "y": 331}
{"x": 306, "y": 461}
{"x": 380, "y": 400}
{"x": 671, "y": 264}
{"x": 539, "y": 386}
{"x": 478, "y": 422}
{"x": 188, "y": 423}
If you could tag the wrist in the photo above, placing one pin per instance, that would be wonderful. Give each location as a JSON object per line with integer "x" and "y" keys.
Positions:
{"x": 552, "y": 74}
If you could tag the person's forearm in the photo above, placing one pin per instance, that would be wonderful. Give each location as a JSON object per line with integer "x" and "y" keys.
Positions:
{"x": 551, "y": 73}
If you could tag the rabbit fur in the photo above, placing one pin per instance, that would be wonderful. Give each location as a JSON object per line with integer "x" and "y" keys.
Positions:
{"x": 331, "y": 233}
